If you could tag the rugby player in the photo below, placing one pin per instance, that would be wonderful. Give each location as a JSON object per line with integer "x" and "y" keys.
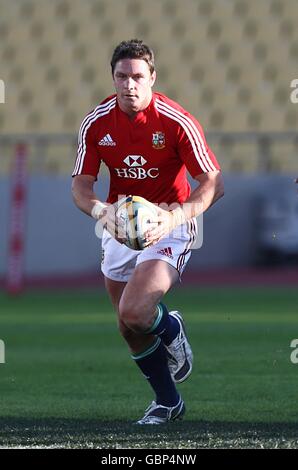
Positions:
{"x": 148, "y": 142}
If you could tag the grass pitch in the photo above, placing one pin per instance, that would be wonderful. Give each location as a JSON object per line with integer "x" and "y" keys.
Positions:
{"x": 69, "y": 382}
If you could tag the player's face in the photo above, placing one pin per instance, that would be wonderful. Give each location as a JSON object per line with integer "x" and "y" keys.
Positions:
{"x": 133, "y": 83}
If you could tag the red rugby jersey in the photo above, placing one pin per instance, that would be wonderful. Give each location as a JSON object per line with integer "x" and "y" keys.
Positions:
{"x": 148, "y": 155}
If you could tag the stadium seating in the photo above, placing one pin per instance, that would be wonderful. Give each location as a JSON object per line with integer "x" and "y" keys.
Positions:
{"x": 230, "y": 63}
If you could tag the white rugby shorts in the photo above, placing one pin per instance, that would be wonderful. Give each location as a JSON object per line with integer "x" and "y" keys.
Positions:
{"x": 118, "y": 261}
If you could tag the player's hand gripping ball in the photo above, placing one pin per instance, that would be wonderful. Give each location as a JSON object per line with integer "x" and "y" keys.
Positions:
{"x": 134, "y": 216}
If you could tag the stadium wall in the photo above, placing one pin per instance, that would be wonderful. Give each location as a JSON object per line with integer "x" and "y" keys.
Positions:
{"x": 61, "y": 240}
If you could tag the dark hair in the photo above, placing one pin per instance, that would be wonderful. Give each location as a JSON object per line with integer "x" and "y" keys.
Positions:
{"x": 133, "y": 49}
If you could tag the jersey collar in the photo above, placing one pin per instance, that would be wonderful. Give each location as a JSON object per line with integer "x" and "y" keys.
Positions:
{"x": 141, "y": 116}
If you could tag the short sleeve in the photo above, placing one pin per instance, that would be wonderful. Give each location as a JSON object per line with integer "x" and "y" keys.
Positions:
{"x": 88, "y": 159}
{"x": 193, "y": 149}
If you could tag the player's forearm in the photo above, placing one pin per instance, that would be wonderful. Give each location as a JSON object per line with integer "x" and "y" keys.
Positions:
{"x": 84, "y": 200}
{"x": 210, "y": 189}
{"x": 83, "y": 195}
{"x": 203, "y": 197}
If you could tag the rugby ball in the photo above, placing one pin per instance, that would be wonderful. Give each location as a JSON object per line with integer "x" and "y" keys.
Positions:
{"x": 134, "y": 214}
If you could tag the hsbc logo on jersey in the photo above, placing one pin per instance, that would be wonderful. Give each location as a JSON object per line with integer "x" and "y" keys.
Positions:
{"x": 135, "y": 168}
{"x": 134, "y": 160}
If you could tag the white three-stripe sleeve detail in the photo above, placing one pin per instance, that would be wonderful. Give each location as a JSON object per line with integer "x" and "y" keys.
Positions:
{"x": 85, "y": 122}
{"x": 188, "y": 133}
{"x": 89, "y": 116}
{"x": 195, "y": 132}
{"x": 200, "y": 145}
{"x": 99, "y": 108}
{"x": 82, "y": 135}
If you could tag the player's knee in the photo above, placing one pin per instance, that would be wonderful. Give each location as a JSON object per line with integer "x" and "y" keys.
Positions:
{"x": 125, "y": 332}
{"x": 133, "y": 317}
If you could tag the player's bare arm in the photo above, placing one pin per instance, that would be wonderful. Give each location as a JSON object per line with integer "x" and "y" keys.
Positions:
{"x": 83, "y": 194}
{"x": 210, "y": 189}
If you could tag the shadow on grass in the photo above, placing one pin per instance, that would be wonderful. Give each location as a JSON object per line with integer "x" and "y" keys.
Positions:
{"x": 85, "y": 433}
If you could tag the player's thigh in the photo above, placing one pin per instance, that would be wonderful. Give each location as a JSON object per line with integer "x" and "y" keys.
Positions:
{"x": 146, "y": 287}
